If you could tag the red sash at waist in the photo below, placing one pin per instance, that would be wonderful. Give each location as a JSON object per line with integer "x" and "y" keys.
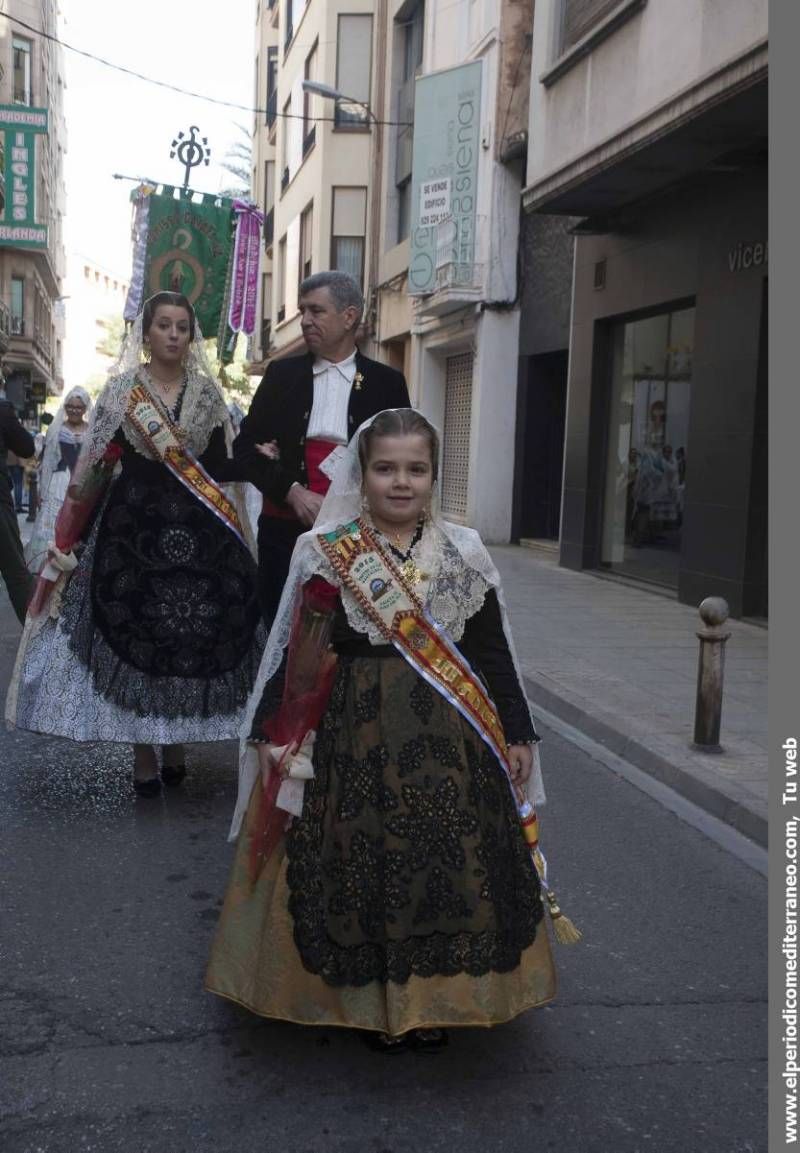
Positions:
{"x": 315, "y": 453}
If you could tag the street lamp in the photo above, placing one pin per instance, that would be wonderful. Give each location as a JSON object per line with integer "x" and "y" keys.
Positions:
{"x": 317, "y": 88}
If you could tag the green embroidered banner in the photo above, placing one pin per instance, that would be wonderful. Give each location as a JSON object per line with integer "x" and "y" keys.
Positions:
{"x": 188, "y": 246}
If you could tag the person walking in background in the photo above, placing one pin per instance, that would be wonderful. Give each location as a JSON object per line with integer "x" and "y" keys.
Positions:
{"x": 156, "y": 636}
{"x": 403, "y": 898}
{"x": 303, "y": 409}
{"x": 13, "y": 438}
{"x": 61, "y": 448}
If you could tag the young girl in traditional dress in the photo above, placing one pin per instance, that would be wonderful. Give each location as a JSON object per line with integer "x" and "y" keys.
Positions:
{"x": 382, "y": 880}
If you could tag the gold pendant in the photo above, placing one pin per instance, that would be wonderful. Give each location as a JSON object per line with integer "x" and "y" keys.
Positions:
{"x": 411, "y": 572}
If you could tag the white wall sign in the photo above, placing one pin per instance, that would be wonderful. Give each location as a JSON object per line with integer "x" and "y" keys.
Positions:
{"x": 434, "y": 201}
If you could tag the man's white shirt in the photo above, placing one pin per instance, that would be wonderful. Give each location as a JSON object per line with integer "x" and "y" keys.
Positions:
{"x": 332, "y": 385}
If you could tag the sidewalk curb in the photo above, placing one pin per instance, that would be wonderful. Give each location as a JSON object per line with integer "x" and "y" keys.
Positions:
{"x": 705, "y": 796}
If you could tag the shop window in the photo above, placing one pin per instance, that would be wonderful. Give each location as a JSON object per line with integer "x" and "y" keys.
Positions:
{"x": 647, "y": 449}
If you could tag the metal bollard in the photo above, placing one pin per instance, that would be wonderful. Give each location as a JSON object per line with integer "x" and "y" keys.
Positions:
{"x": 33, "y": 495}
{"x": 710, "y": 671}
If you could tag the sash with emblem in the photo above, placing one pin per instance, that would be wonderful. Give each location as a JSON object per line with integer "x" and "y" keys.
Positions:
{"x": 384, "y": 594}
{"x": 382, "y": 591}
{"x": 165, "y": 440}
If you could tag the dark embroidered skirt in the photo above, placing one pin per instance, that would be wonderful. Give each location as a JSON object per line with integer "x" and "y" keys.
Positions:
{"x": 174, "y": 625}
{"x": 409, "y": 856}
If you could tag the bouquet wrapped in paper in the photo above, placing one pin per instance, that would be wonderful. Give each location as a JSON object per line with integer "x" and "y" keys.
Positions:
{"x": 70, "y": 526}
{"x": 310, "y": 671}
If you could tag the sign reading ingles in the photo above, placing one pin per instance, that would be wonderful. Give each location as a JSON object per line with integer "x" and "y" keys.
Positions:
{"x": 20, "y": 125}
{"x": 445, "y": 169}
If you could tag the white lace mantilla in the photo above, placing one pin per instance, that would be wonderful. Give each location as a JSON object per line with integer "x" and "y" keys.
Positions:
{"x": 203, "y": 407}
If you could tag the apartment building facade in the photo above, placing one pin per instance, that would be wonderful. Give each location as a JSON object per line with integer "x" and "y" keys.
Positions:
{"x": 31, "y": 233}
{"x": 648, "y": 125}
{"x": 342, "y": 186}
{"x": 448, "y": 286}
{"x": 312, "y": 155}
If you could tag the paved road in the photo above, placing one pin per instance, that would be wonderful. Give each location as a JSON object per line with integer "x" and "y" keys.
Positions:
{"x": 108, "y": 1042}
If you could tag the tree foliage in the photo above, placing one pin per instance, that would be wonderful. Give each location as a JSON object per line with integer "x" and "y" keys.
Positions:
{"x": 237, "y": 161}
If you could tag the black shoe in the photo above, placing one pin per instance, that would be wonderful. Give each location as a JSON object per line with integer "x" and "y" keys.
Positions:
{"x": 429, "y": 1040}
{"x": 385, "y": 1043}
{"x": 149, "y": 788}
{"x": 173, "y": 775}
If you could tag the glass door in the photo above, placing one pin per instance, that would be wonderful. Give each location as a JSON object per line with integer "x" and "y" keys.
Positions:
{"x": 647, "y": 446}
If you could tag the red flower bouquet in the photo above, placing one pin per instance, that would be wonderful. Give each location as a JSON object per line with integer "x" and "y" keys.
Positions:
{"x": 310, "y": 671}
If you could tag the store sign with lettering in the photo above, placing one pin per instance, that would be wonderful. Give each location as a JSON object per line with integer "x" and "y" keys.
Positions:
{"x": 444, "y": 179}
{"x": 746, "y": 255}
{"x": 20, "y": 126}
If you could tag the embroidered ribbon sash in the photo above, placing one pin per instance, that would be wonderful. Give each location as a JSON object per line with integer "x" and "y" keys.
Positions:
{"x": 381, "y": 591}
{"x": 163, "y": 438}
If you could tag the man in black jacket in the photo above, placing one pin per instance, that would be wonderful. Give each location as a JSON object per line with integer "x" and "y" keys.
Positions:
{"x": 304, "y": 407}
{"x": 18, "y": 440}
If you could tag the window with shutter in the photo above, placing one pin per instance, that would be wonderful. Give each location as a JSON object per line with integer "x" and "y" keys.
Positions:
{"x": 455, "y": 442}
{"x": 580, "y": 17}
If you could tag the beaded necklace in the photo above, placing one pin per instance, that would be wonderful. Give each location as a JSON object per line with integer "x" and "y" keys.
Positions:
{"x": 409, "y": 567}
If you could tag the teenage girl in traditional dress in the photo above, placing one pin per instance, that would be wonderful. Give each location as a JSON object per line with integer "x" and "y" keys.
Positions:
{"x": 382, "y": 880}
{"x": 154, "y": 637}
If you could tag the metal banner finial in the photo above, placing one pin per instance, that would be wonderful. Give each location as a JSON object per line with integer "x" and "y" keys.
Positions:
{"x": 190, "y": 152}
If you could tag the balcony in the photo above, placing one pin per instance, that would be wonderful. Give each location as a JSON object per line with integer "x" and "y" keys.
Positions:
{"x": 272, "y": 108}
{"x": 309, "y": 139}
{"x": 691, "y": 132}
{"x": 459, "y": 279}
{"x": 17, "y": 326}
{"x": 269, "y": 228}
{"x": 41, "y": 340}
{"x": 266, "y": 336}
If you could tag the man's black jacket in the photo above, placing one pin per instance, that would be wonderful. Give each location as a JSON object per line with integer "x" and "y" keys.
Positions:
{"x": 13, "y": 437}
{"x": 281, "y": 409}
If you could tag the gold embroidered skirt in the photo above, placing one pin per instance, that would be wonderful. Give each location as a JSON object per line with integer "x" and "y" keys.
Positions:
{"x": 404, "y": 896}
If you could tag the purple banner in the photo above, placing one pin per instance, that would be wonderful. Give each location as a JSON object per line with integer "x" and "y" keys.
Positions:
{"x": 246, "y": 260}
